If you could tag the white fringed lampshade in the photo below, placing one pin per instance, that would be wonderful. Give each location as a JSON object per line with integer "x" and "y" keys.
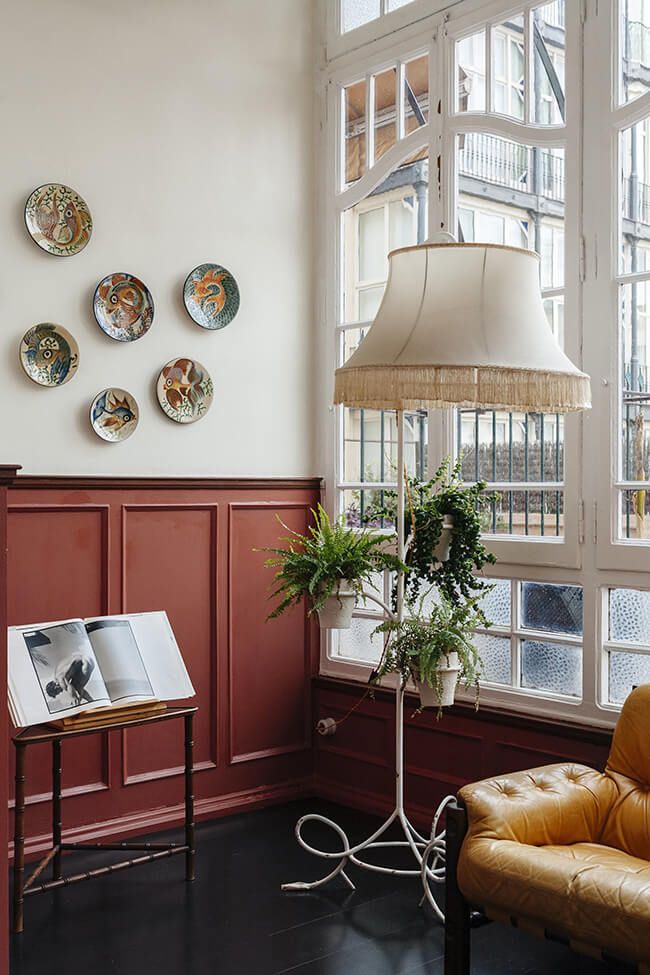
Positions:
{"x": 462, "y": 325}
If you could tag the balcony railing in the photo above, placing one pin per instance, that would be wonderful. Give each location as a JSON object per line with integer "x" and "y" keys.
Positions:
{"x": 503, "y": 163}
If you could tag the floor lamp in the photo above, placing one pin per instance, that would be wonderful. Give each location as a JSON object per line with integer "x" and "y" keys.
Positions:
{"x": 459, "y": 325}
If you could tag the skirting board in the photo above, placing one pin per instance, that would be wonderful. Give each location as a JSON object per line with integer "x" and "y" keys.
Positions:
{"x": 371, "y": 802}
{"x": 170, "y": 817}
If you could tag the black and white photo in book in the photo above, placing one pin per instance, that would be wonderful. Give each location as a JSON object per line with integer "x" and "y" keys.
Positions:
{"x": 119, "y": 659}
{"x": 65, "y": 666}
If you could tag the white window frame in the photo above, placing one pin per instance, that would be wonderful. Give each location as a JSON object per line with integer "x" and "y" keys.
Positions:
{"x": 590, "y": 555}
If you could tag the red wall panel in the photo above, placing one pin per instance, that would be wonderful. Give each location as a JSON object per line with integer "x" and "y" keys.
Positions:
{"x": 88, "y": 546}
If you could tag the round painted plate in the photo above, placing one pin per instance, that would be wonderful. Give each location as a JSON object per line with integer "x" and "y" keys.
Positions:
{"x": 114, "y": 414}
{"x": 49, "y": 354}
{"x": 123, "y": 307}
{"x": 211, "y": 296}
{"x": 184, "y": 390}
{"x": 58, "y": 219}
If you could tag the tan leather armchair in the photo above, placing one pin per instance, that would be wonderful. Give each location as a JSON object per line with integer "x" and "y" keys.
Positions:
{"x": 562, "y": 851}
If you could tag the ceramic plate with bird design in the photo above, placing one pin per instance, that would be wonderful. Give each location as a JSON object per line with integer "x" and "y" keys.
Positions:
{"x": 58, "y": 219}
{"x": 211, "y": 296}
{"x": 49, "y": 354}
{"x": 184, "y": 390}
{"x": 123, "y": 307}
{"x": 114, "y": 414}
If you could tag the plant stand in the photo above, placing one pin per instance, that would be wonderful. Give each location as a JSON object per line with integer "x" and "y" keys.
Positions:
{"x": 429, "y": 854}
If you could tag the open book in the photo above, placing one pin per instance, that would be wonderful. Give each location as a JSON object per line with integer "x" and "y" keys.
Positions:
{"x": 61, "y": 669}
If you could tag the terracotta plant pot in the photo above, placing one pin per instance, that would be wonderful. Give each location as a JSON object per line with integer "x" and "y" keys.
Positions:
{"x": 429, "y": 697}
{"x": 441, "y": 548}
{"x": 336, "y": 612}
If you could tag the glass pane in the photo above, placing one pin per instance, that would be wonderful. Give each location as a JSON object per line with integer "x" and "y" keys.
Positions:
{"x": 359, "y": 505}
{"x": 385, "y": 114}
{"x": 357, "y": 642}
{"x": 629, "y": 616}
{"x": 373, "y": 253}
{"x": 354, "y": 13}
{"x": 470, "y": 67}
{"x": 369, "y": 302}
{"x": 635, "y": 197}
{"x": 634, "y": 515}
{"x": 548, "y": 64}
{"x": 370, "y": 445}
{"x": 351, "y": 338}
{"x": 527, "y": 513}
{"x": 498, "y": 446}
{"x": 554, "y": 308}
{"x": 634, "y": 70}
{"x": 635, "y": 395}
{"x": 508, "y": 67}
{"x": 552, "y": 253}
{"x": 496, "y": 603}
{"x": 626, "y": 671}
{"x": 495, "y": 658}
{"x": 551, "y": 667}
{"x": 354, "y": 98}
{"x": 491, "y": 162}
{"x": 402, "y": 222}
{"x": 557, "y": 609}
{"x": 416, "y": 93}
{"x": 395, "y": 4}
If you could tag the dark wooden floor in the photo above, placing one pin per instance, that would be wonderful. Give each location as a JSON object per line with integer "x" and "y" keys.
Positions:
{"x": 234, "y": 919}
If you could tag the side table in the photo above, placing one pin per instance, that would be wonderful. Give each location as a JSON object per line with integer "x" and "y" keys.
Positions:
{"x": 154, "y": 851}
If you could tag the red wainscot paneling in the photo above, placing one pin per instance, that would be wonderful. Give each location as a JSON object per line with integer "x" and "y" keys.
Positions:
{"x": 90, "y": 546}
{"x": 355, "y": 766}
{"x": 7, "y": 475}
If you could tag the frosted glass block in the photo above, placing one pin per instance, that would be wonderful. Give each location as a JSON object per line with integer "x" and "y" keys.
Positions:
{"x": 629, "y": 616}
{"x": 495, "y": 658}
{"x": 626, "y": 670}
{"x": 496, "y": 603}
{"x": 550, "y": 667}
{"x": 354, "y": 13}
{"x": 557, "y": 609}
{"x": 357, "y": 643}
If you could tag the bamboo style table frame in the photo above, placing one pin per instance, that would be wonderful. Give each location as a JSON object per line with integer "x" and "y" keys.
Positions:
{"x": 152, "y": 851}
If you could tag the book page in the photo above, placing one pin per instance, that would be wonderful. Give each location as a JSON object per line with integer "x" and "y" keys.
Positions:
{"x": 119, "y": 659}
{"x": 53, "y": 671}
{"x": 158, "y": 651}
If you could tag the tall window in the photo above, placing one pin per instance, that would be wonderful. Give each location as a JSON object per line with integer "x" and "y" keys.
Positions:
{"x": 472, "y": 122}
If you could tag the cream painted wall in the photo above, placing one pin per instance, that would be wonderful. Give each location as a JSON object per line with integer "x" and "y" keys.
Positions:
{"x": 187, "y": 126}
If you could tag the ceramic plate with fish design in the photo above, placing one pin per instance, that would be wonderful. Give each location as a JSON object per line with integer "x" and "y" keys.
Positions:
{"x": 184, "y": 390}
{"x": 58, "y": 219}
{"x": 211, "y": 296}
{"x": 49, "y": 354}
{"x": 123, "y": 307}
{"x": 114, "y": 414}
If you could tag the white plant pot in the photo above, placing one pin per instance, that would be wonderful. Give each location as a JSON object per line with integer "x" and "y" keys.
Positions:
{"x": 429, "y": 697}
{"x": 441, "y": 548}
{"x": 336, "y": 612}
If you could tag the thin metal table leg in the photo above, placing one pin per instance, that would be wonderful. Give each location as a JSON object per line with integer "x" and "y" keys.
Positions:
{"x": 19, "y": 840}
{"x": 56, "y": 807}
{"x": 189, "y": 797}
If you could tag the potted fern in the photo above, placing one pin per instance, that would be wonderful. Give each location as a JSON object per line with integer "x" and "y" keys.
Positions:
{"x": 330, "y": 565}
{"x": 434, "y": 650}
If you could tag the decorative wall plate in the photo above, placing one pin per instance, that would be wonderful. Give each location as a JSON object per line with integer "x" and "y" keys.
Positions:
{"x": 184, "y": 390}
{"x": 58, "y": 219}
{"x": 211, "y": 296}
{"x": 114, "y": 414}
{"x": 123, "y": 307}
{"x": 49, "y": 354}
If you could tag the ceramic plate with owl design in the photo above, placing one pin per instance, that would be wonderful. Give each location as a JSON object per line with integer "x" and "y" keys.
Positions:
{"x": 184, "y": 390}
{"x": 49, "y": 354}
{"x": 58, "y": 219}
{"x": 123, "y": 307}
{"x": 114, "y": 414}
{"x": 211, "y": 296}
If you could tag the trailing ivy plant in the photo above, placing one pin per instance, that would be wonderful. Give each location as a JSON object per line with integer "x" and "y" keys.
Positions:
{"x": 315, "y": 564}
{"x": 419, "y": 645}
{"x": 427, "y": 505}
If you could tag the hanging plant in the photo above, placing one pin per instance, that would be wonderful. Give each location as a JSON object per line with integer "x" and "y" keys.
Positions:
{"x": 442, "y": 504}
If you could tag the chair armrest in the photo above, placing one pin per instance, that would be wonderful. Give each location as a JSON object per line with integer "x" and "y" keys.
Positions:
{"x": 555, "y": 804}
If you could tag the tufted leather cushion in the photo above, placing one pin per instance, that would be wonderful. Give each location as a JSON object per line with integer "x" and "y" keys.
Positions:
{"x": 568, "y": 848}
